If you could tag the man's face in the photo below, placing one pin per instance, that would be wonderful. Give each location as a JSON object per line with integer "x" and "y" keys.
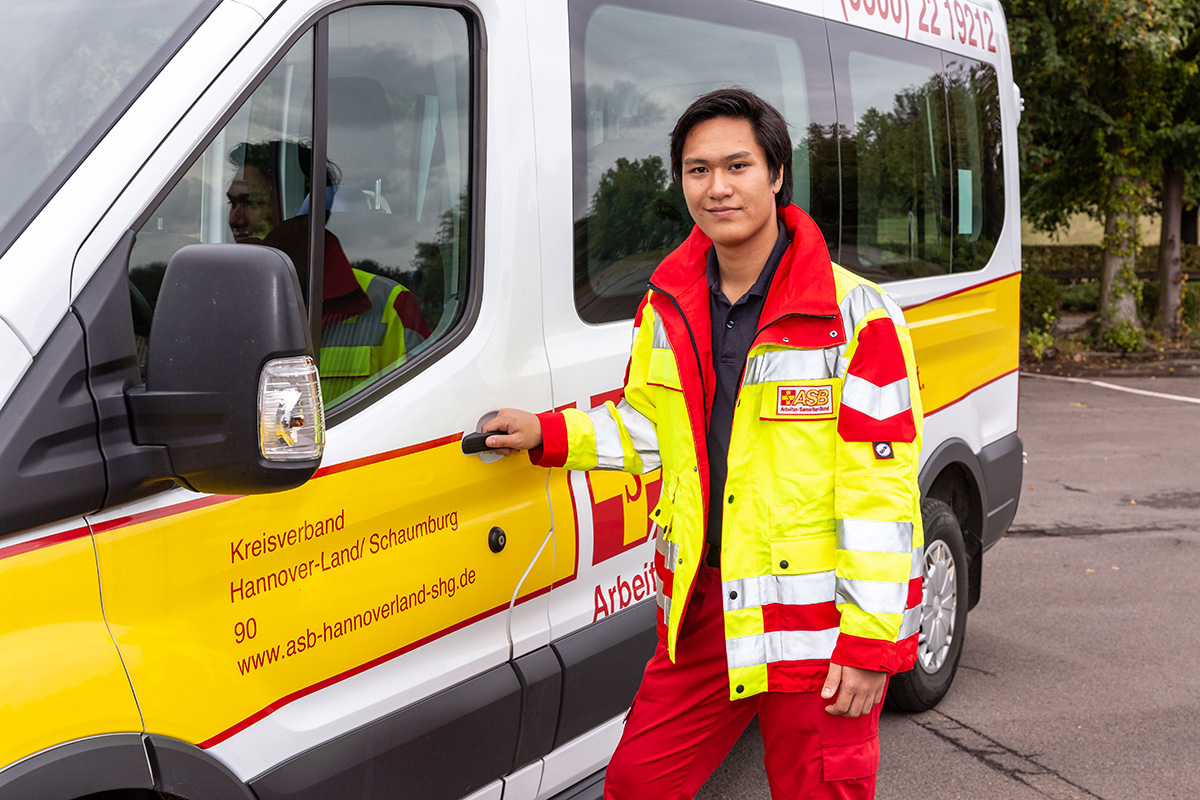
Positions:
{"x": 727, "y": 183}
{"x": 251, "y": 206}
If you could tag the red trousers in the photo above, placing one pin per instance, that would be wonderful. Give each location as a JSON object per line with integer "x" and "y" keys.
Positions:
{"x": 682, "y": 724}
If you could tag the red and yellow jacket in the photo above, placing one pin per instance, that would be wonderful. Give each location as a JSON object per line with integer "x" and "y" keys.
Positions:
{"x": 821, "y": 552}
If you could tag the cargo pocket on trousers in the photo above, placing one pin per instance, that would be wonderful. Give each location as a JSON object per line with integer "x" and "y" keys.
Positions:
{"x": 848, "y": 761}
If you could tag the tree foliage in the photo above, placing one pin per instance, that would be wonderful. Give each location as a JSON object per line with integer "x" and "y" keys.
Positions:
{"x": 1101, "y": 81}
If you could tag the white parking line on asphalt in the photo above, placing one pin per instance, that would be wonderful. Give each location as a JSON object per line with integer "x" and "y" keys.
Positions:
{"x": 1113, "y": 386}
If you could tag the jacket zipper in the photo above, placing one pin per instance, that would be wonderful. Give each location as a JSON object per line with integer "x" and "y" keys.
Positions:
{"x": 695, "y": 349}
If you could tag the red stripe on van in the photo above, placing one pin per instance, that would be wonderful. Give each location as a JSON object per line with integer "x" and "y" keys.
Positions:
{"x": 972, "y": 287}
{"x": 296, "y": 695}
{"x": 45, "y": 541}
{"x": 970, "y": 392}
{"x": 165, "y": 511}
{"x": 375, "y": 459}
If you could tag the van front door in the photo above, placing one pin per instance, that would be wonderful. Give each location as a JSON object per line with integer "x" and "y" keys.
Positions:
{"x": 352, "y": 637}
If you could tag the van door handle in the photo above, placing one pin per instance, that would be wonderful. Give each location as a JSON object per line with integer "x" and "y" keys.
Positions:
{"x": 476, "y": 443}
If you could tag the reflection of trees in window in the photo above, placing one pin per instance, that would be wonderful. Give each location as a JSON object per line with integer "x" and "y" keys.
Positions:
{"x": 899, "y": 225}
{"x": 976, "y": 144}
{"x": 636, "y": 217}
{"x": 815, "y": 157}
{"x": 426, "y": 276}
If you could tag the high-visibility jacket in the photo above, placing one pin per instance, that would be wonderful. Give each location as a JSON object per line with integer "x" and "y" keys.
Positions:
{"x": 821, "y": 546}
{"x": 365, "y": 344}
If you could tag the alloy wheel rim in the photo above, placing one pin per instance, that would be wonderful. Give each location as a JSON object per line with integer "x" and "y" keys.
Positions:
{"x": 939, "y": 603}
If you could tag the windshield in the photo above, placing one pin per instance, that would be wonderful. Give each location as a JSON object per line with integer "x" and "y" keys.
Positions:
{"x": 64, "y": 64}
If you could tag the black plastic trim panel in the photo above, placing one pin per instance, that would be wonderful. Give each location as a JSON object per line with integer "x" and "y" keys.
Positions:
{"x": 1003, "y": 465}
{"x": 50, "y": 462}
{"x": 183, "y": 770}
{"x": 590, "y": 788}
{"x": 440, "y": 748}
{"x": 132, "y": 471}
{"x": 602, "y": 668}
{"x": 540, "y": 675}
{"x": 96, "y": 764}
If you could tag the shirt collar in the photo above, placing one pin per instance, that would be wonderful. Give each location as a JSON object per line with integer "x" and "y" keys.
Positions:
{"x": 759, "y": 289}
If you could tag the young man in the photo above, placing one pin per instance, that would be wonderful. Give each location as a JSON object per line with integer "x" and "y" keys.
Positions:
{"x": 777, "y": 391}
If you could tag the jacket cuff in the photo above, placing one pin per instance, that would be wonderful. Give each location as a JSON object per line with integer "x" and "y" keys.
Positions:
{"x": 877, "y": 655}
{"x": 553, "y": 450}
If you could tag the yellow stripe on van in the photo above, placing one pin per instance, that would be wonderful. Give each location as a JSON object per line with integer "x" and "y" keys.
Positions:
{"x": 226, "y": 612}
{"x": 965, "y": 340}
{"x": 60, "y": 675}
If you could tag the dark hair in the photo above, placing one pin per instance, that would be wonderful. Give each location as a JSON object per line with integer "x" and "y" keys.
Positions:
{"x": 268, "y": 156}
{"x": 770, "y": 131}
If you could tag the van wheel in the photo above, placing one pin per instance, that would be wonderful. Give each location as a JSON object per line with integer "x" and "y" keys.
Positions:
{"x": 943, "y": 616}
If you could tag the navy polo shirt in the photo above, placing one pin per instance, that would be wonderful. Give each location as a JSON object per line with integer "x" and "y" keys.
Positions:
{"x": 733, "y": 330}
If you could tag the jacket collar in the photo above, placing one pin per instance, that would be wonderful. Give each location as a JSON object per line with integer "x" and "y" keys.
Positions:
{"x": 803, "y": 281}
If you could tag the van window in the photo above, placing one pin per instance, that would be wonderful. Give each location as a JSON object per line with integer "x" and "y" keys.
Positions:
{"x": 895, "y": 156}
{"x": 393, "y": 233}
{"x": 634, "y": 71}
{"x": 247, "y": 186}
{"x": 975, "y": 137}
{"x": 65, "y": 67}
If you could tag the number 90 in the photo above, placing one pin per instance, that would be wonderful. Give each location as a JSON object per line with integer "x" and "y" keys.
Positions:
{"x": 245, "y": 630}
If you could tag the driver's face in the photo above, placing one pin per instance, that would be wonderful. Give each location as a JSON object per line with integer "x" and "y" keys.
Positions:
{"x": 251, "y": 206}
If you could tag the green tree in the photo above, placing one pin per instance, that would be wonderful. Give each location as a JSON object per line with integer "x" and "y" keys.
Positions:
{"x": 1098, "y": 90}
{"x": 1179, "y": 148}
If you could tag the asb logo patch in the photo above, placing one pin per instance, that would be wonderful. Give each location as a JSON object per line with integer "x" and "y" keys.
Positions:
{"x": 883, "y": 450}
{"x": 804, "y": 401}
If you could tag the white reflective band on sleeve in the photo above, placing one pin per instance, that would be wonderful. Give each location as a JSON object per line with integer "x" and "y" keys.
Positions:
{"x": 609, "y": 452}
{"x": 873, "y": 597}
{"x": 660, "y": 336}
{"x": 664, "y": 603}
{"x": 878, "y": 402}
{"x": 873, "y": 536}
{"x": 791, "y": 590}
{"x": 775, "y": 646}
{"x": 787, "y": 365}
{"x": 862, "y": 300}
{"x": 918, "y": 564}
{"x": 642, "y": 433}
{"x": 910, "y": 624}
{"x": 894, "y": 312}
{"x": 668, "y": 550}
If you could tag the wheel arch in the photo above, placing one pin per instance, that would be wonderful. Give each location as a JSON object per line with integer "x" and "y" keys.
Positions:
{"x": 954, "y": 475}
{"x": 122, "y": 763}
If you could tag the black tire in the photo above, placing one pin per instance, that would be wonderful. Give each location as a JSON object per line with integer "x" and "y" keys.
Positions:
{"x": 923, "y": 686}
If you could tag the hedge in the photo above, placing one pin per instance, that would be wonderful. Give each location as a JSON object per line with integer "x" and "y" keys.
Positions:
{"x": 1083, "y": 260}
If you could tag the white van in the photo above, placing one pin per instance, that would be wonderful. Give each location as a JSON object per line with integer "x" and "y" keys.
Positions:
{"x": 224, "y": 573}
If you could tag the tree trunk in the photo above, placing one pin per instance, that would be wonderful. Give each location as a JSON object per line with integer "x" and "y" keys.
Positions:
{"x": 1170, "y": 271}
{"x": 1118, "y": 280}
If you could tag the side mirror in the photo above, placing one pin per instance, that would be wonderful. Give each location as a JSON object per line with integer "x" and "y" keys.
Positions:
{"x": 231, "y": 388}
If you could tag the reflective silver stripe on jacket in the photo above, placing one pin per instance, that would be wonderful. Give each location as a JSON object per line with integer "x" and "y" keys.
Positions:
{"x": 878, "y": 402}
{"x": 660, "y": 336}
{"x": 642, "y": 434}
{"x": 873, "y": 536}
{"x": 918, "y": 564}
{"x": 862, "y": 300}
{"x": 787, "y": 365}
{"x": 668, "y": 549}
{"x": 873, "y": 597}
{"x": 774, "y": 646}
{"x": 791, "y": 590}
{"x": 858, "y": 302}
{"x": 670, "y": 554}
{"x": 910, "y": 624}
{"x": 610, "y": 452}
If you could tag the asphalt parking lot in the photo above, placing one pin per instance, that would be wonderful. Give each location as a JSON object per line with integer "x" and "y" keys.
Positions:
{"x": 1078, "y": 677}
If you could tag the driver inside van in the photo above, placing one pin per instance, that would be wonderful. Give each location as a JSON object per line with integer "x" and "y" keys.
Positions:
{"x": 369, "y": 323}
